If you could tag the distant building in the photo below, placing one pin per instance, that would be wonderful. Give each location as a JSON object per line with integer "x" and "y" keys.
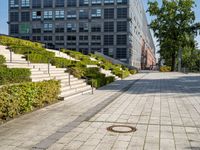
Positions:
{"x": 117, "y": 28}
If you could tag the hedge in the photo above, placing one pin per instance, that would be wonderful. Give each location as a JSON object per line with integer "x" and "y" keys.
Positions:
{"x": 37, "y": 54}
{"x": 133, "y": 71}
{"x": 2, "y": 59}
{"x": 25, "y": 97}
{"x": 14, "y": 75}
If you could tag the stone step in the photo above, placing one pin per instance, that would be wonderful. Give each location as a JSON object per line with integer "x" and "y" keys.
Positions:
{"x": 69, "y": 91}
{"x": 72, "y": 81}
{"x": 18, "y": 66}
{"x": 77, "y": 94}
{"x": 35, "y": 76}
{"x": 41, "y": 79}
{"x": 63, "y": 77}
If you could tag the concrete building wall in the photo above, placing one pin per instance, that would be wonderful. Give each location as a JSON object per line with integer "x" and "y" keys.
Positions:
{"x": 129, "y": 51}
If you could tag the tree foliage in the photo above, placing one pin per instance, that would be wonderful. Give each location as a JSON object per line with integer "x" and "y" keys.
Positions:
{"x": 174, "y": 26}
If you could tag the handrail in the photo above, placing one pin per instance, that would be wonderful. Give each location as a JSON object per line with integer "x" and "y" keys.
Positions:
{"x": 49, "y": 68}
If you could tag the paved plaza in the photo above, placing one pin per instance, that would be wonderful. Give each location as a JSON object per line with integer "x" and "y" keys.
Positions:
{"x": 164, "y": 108}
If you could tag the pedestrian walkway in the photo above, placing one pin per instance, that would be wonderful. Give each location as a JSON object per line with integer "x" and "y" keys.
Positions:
{"x": 28, "y": 130}
{"x": 164, "y": 108}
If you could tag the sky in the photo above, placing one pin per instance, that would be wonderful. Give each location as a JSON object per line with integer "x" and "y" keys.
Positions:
{"x": 4, "y": 16}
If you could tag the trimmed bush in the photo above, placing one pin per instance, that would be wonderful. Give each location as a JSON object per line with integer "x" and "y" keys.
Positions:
{"x": 7, "y": 41}
{"x": 14, "y": 75}
{"x": 2, "y": 59}
{"x": 110, "y": 79}
{"x": 25, "y": 97}
{"x": 78, "y": 72}
{"x": 165, "y": 69}
{"x": 133, "y": 71}
{"x": 61, "y": 62}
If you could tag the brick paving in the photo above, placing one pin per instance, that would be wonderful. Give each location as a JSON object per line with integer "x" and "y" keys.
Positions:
{"x": 164, "y": 107}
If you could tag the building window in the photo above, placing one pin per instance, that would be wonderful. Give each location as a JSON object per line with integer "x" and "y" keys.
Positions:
{"x": 59, "y": 38}
{"x": 71, "y": 14}
{"x": 121, "y": 40}
{"x": 60, "y": 44}
{"x": 25, "y": 37}
{"x": 96, "y": 37}
{"x": 108, "y": 26}
{"x": 71, "y": 3}
{"x": 60, "y": 3}
{"x": 96, "y": 13}
{"x": 83, "y": 27}
{"x": 83, "y": 37}
{"x": 121, "y": 53}
{"x": 59, "y": 14}
{"x": 48, "y": 15}
{"x": 108, "y": 39}
{"x": 48, "y": 38}
{"x": 83, "y": 14}
{"x": 96, "y": 43}
{"x": 14, "y": 28}
{"x": 36, "y": 3}
{"x": 84, "y": 50}
{"x": 121, "y": 26}
{"x": 83, "y": 43}
{"x": 122, "y": 1}
{"x": 96, "y": 27}
{"x": 25, "y": 16}
{"x": 108, "y": 2}
{"x": 71, "y": 27}
{"x": 83, "y": 2}
{"x": 36, "y": 28}
{"x": 48, "y": 3}
{"x": 96, "y": 2}
{"x": 108, "y": 51}
{"x": 36, "y": 15}
{"x": 121, "y": 12}
{"x": 14, "y": 16}
{"x": 71, "y": 40}
{"x": 59, "y": 28}
{"x": 48, "y": 27}
{"x": 108, "y": 13}
{"x": 25, "y": 3}
{"x": 36, "y": 38}
{"x": 14, "y": 3}
{"x": 24, "y": 28}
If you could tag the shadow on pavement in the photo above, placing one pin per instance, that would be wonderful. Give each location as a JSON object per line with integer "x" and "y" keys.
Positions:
{"x": 186, "y": 84}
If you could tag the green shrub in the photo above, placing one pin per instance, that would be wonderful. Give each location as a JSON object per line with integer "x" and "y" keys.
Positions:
{"x": 78, "y": 72}
{"x": 133, "y": 71}
{"x": 165, "y": 69}
{"x": 38, "y": 58}
{"x": 7, "y": 41}
{"x": 2, "y": 59}
{"x": 110, "y": 79}
{"x": 95, "y": 77}
{"x": 14, "y": 75}
{"x": 61, "y": 62}
{"x": 121, "y": 73}
{"x": 25, "y": 97}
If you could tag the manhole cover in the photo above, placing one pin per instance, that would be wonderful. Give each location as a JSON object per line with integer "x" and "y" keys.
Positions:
{"x": 121, "y": 129}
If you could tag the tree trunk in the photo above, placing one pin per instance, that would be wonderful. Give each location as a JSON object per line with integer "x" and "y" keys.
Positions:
{"x": 173, "y": 61}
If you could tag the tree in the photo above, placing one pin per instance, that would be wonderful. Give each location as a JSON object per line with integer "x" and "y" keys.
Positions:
{"x": 174, "y": 27}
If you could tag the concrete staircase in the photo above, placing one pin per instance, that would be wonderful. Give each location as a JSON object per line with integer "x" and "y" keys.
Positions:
{"x": 70, "y": 86}
{"x": 109, "y": 73}
{"x": 63, "y": 55}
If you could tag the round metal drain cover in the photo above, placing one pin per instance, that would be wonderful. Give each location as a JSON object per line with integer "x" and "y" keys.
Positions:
{"x": 121, "y": 129}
